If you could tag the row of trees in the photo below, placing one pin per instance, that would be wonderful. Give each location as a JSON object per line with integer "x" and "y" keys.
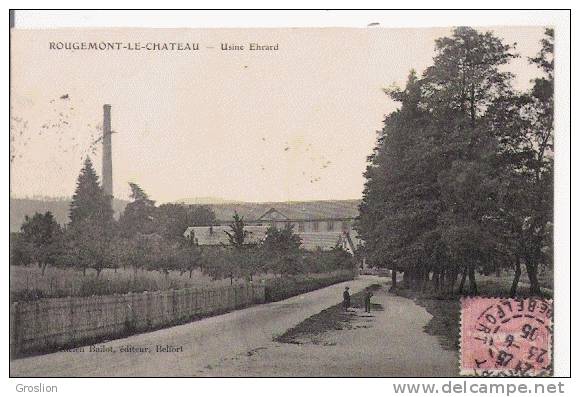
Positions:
{"x": 151, "y": 237}
{"x": 94, "y": 239}
{"x": 461, "y": 179}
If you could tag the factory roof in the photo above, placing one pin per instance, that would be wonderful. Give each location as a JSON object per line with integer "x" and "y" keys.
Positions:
{"x": 289, "y": 210}
{"x": 216, "y": 235}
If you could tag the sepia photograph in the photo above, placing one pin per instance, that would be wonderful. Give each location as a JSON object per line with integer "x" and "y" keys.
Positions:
{"x": 285, "y": 202}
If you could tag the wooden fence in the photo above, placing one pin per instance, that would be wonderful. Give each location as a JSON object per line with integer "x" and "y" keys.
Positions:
{"x": 52, "y": 324}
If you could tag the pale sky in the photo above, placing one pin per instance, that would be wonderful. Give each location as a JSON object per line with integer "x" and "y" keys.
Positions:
{"x": 294, "y": 124}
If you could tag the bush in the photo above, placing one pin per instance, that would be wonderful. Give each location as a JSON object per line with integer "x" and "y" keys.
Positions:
{"x": 328, "y": 261}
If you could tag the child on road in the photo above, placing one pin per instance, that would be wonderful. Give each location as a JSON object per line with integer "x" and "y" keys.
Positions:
{"x": 368, "y": 295}
{"x": 345, "y": 299}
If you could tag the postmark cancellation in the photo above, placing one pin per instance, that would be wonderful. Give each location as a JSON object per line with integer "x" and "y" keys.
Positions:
{"x": 506, "y": 337}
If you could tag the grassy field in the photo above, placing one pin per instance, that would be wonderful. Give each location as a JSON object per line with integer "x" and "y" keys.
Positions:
{"x": 500, "y": 286}
{"x": 28, "y": 282}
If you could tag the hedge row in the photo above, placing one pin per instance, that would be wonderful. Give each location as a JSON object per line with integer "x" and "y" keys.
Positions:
{"x": 288, "y": 286}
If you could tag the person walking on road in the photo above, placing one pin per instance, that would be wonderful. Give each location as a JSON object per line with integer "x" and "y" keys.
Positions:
{"x": 345, "y": 299}
{"x": 368, "y": 295}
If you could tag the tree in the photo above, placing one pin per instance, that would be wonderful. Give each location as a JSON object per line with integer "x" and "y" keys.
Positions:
{"x": 153, "y": 252}
{"x": 541, "y": 115}
{"x": 240, "y": 261}
{"x": 282, "y": 248}
{"x": 400, "y": 199}
{"x": 167, "y": 257}
{"x": 122, "y": 253}
{"x": 89, "y": 200}
{"x": 92, "y": 228}
{"x": 138, "y": 216}
{"x": 222, "y": 262}
{"x": 171, "y": 220}
{"x": 249, "y": 261}
{"x": 466, "y": 75}
{"x": 40, "y": 239}
{"x": 190, "y": 256}
{"x": 91, "y": 244}
{"x": 201, "y": 215}
{"x": 282, "y": 240}
{"x": 238, "y": 234}
{"x": 143, "y": 250}
{"x": 523, "y": 124}
{"x": 465, "y": 80}
{"x": 20, "y": 251}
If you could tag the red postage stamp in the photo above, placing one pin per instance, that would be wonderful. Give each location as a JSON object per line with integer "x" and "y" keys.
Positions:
{"x": 506, "y": 337}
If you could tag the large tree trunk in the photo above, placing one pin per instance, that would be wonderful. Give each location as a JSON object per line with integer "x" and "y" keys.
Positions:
{"x": 415, "y": 279}
{"x": 515, "y": 282}
{"x": 393, "y": 279}
{"x": 462, "y": 282}
{"x": 452, "y": 281}
{"x": 472, "y": 283}
{"x": 425, "y": 281}
{"x": 472, "y": 105}
{"x": 436, "y": 279}
{"x": 532, "y": 270}
{"x": 44, "y": 265}
{"x": 406, "y": 277}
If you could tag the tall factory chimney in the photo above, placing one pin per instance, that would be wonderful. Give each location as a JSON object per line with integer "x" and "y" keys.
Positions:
{"x": 107, "y": 152}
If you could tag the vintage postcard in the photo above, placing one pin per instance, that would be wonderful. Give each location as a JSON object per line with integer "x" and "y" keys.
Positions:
{"x": 283, "y": 202}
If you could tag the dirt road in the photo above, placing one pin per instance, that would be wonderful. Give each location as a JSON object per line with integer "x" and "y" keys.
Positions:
{"x": 241, "y": 344}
